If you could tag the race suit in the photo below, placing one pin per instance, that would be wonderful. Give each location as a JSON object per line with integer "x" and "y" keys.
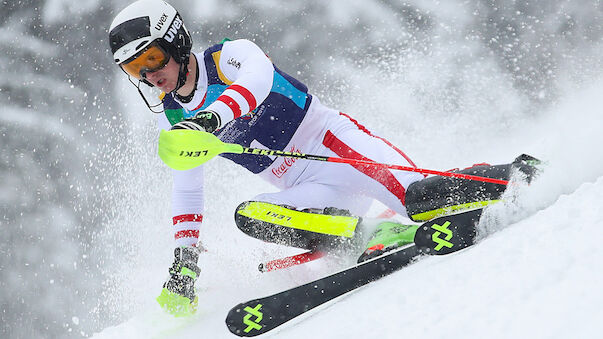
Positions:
{"x": 260, "y": 106}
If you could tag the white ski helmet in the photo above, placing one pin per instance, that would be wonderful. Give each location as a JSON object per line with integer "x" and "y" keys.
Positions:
{"x": 145, "y": 22}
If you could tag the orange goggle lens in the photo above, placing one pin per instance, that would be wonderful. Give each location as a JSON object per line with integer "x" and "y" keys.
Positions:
{"x": 151, "y": 60}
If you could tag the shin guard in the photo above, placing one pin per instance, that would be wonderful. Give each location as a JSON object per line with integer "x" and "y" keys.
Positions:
{"x": 436, "y": 196}
{"x": 308, "y": 229}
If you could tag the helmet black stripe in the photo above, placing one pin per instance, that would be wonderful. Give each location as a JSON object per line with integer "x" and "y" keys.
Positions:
{"x": 129, "y": 31}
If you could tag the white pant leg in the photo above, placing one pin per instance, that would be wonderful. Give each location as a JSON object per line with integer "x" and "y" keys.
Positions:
{"x": 345, "y": 138}
{"x": 317, "y": 184}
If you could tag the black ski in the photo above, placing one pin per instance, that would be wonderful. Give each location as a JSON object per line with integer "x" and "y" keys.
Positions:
{"x": 439, "y": 236}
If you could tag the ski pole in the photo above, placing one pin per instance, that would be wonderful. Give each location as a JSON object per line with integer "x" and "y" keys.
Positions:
{"x": 293, "y": 260}
{"x": 185, "y": 149}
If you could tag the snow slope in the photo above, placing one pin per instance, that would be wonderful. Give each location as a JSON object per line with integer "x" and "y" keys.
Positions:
{"x": 538, "y": 278}
{"x": 535, "y": 275}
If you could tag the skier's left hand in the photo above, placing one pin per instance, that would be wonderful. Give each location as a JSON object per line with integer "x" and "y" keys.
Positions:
{"x": 178, "y": 295}
{"x": 207, "y": 121}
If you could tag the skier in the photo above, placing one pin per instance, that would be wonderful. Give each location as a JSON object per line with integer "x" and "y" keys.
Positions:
{"x": 233, "y": 90}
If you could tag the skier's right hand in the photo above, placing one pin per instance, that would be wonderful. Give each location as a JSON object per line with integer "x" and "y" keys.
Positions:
{"x": 178, "y": 295}
{"x": 207, "y": 121}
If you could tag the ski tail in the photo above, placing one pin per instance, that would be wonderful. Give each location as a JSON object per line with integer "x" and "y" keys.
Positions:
{"x": 448, "y": 234}
{"x": 259, "y": 316}
{"x": 247, "y": 319}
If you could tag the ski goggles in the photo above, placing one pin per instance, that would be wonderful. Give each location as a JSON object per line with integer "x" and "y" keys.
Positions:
{"x": 152, "y": 59}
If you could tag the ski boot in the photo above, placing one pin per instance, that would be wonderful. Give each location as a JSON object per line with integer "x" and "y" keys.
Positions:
{"x": 388, "y": 236}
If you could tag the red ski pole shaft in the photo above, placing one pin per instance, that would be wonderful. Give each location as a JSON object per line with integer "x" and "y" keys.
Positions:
{"x": 418, "y": 170}
{"x": 259, "y": 151}
{"x": 290, "y": 261}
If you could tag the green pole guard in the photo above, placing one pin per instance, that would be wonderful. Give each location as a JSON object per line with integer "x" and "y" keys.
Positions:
{"x": 184, "y": 149}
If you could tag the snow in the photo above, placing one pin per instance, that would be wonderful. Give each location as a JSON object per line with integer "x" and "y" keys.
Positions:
{"x": 58, "y": 10}
{"x": 535, "y": 279}
{"x": 452, "y": 83}
{"x": 533, "y": 274}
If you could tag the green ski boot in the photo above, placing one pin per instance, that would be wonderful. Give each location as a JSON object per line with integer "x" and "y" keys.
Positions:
{"x": 388, "y": 236}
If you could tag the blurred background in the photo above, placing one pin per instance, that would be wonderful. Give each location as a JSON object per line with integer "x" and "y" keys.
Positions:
{"x": 80, "y": 199}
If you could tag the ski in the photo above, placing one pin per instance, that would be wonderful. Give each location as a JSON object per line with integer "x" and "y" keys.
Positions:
{"x": 436, "y": 237}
